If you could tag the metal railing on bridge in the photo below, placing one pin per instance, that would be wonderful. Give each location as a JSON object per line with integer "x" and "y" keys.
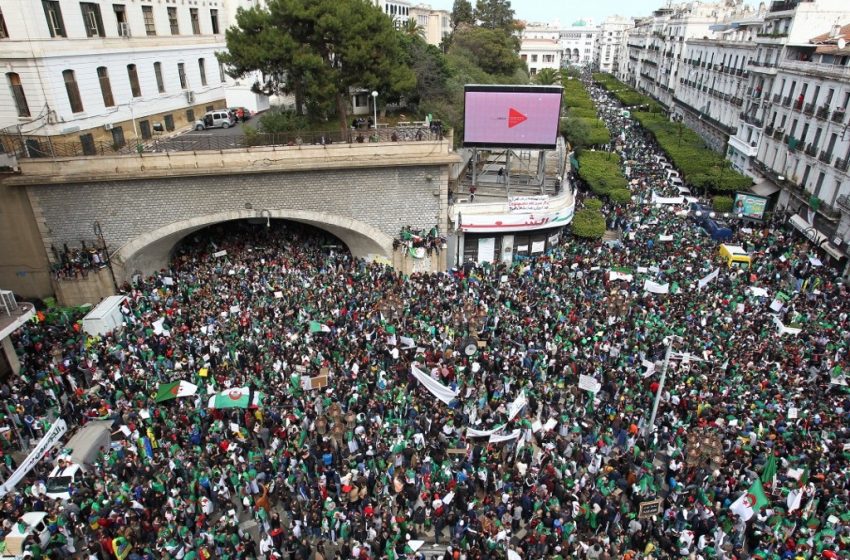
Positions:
{"x": 45, "y": 147}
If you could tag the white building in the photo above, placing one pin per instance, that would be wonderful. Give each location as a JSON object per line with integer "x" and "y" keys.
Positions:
{"x": 540, "y": 47}
{"x": 90, "y": 75}
{"x": 805, "y": 147}
{"x": 577, "y": 42}
{"x": 398, "y": 10}
{"x": 609, "y": 42}
{"x": 435, "y": 24}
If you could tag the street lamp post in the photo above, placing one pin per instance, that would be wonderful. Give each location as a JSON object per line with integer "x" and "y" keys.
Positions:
{"x": 375, "y": 108}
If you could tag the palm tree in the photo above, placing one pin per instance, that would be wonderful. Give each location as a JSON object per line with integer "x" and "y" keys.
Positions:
{"x": 413, "y": 29}
{"x": 548, "y": 77}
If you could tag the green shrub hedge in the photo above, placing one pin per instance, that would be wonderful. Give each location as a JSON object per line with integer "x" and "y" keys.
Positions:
{"x": 589, "y": 224}
{"x": 601, "y": 171}
{"x": 620, "y": 196}
{"x": 593, "y": 204}
{"x": 701, "y": 166}
{"x": 722, "y": 203}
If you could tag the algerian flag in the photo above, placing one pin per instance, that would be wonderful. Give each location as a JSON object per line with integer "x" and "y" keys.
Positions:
{"x": 620, "y": 273}
{"x": 167, "y": 391}
{"x": 316, "y": 326}
{"x": 750, "y": 502}
{"x": 769, "y": 472}
{"x": 794, "y": 499}
{"x": 237, "y": 397}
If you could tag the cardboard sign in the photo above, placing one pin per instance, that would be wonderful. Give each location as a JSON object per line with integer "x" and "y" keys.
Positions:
{"x": 589, "y": 384}
{"x": 310, "y": 383}
{"x": 650, "y": 508}
{"x": 220, "y": 254}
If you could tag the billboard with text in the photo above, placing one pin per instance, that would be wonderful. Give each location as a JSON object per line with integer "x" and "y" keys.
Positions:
{"x": 511, "y": 116}
{"x": 749, "y": 206}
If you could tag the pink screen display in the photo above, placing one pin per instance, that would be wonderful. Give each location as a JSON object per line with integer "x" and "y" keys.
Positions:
{"x": 511, "y": 118}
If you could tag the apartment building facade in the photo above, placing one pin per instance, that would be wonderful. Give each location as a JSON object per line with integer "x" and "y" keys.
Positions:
{"x": 435, "y": 24}
{"x": 81, "y": 75}
{"x": 609, "y": 42}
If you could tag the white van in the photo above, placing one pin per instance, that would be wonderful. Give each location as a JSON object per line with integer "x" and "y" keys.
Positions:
{"x": 31, "y": 525}
{"x": 81, "y": 452}
{"x": 216, "y": 119}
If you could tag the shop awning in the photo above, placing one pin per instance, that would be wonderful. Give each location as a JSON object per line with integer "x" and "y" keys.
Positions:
{"x": 765, "y": 188}
{"x": 815, "y": 236}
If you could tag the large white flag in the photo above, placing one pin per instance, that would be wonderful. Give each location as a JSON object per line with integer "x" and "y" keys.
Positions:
{"x": 655, "y": 287}
{"x": 436, "y": 388}
{"x": 794, "y": 499}
{"x": 472, "y": 432}
{"x": 708, "y": 278}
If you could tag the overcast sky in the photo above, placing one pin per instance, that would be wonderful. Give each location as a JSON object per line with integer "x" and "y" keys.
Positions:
{"x": 568, "y": 11}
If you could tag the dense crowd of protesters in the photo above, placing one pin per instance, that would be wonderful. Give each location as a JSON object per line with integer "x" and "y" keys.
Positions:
{"x": 518, "y": 459}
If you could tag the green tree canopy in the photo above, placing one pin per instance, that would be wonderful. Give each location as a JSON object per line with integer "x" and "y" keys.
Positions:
{"x": 319, "y": 50}
{"x": 494, "y": 50}
{"x": 462, "y": 13}
{"x": 495, "y": 14}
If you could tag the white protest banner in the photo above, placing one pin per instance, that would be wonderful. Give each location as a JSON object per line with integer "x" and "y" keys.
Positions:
{"x": 785, "y": 330}
{"x": 516, "y": 406}
{"x": 550, "y": 425}
{"x": 588, "y": 383}
{"x": 472, "y": 432}
{"x": 667, "y": 200}
{"x": 435, "y": 387}
{"x": 278, "y": 294}
{"x": 655, "y": 287}
{"x": 703, "y": 282}
{"x": 528, "y": 204}
{"x": 498, "y": 438}
{"x": 407, "y": 343}
{"x": 792, "y": 413}
{"x": 220, "y": 254}
{"x": 665, "y": 238}
{"x": 51, "y": 438}
{"x": 168, "y": 281}
{"x": 777, "y": 305}
{"x": 650, "y": 368}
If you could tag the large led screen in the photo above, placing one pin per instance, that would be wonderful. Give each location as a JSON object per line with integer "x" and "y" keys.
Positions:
{"x": 750, "y": 206}
{"x": 511, "y": 116}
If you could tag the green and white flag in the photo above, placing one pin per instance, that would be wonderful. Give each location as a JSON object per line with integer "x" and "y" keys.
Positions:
{"x": 750, "y": 502}
{"x": 167, "y": 391}
{"x": 316, "y": 326}
{"x": 237, "y": 397}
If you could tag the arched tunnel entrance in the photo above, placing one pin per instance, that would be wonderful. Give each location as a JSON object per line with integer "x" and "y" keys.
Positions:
{"x": 152, "y": 251}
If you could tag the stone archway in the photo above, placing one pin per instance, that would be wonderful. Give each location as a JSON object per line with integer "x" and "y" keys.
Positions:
{"x": 151, "y": 250}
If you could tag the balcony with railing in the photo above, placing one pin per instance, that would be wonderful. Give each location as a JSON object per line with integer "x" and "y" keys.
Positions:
{"x": 825, "y": 157}
{"x": 777, "y": 97}
{"x": 842, "y": 164}
{"x": 786, "y": 102}
{"x": 823, "y": 112}
{"x": 778, "y": 133}
{"x": 769, "y": 130}
{"x": 809, "y": 109}
{"x": 798, "y": 105}
{"x": 838, "y": 115}
{"x": 811, "y": 150}
{"x": 843, "y": 202}
{"x": 784, "y": 5}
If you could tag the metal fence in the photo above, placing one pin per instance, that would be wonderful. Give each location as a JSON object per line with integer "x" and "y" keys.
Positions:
{"x": 45, "y": 147}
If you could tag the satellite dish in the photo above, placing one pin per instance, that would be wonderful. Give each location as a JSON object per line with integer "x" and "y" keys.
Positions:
{"x": 841, "y": 44}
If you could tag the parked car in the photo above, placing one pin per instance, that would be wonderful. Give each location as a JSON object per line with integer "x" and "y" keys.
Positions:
{"x": 222, "y": 118}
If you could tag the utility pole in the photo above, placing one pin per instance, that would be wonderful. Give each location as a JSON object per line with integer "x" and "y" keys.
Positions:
{"x": 651, "y": 425}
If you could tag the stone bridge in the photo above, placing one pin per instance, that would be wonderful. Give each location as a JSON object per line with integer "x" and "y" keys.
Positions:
{"x": 362, "y": 193}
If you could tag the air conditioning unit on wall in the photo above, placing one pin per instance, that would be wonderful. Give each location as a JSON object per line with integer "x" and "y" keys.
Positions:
{"x": 190, "y": 97}
{"x": 108, "y": 126}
